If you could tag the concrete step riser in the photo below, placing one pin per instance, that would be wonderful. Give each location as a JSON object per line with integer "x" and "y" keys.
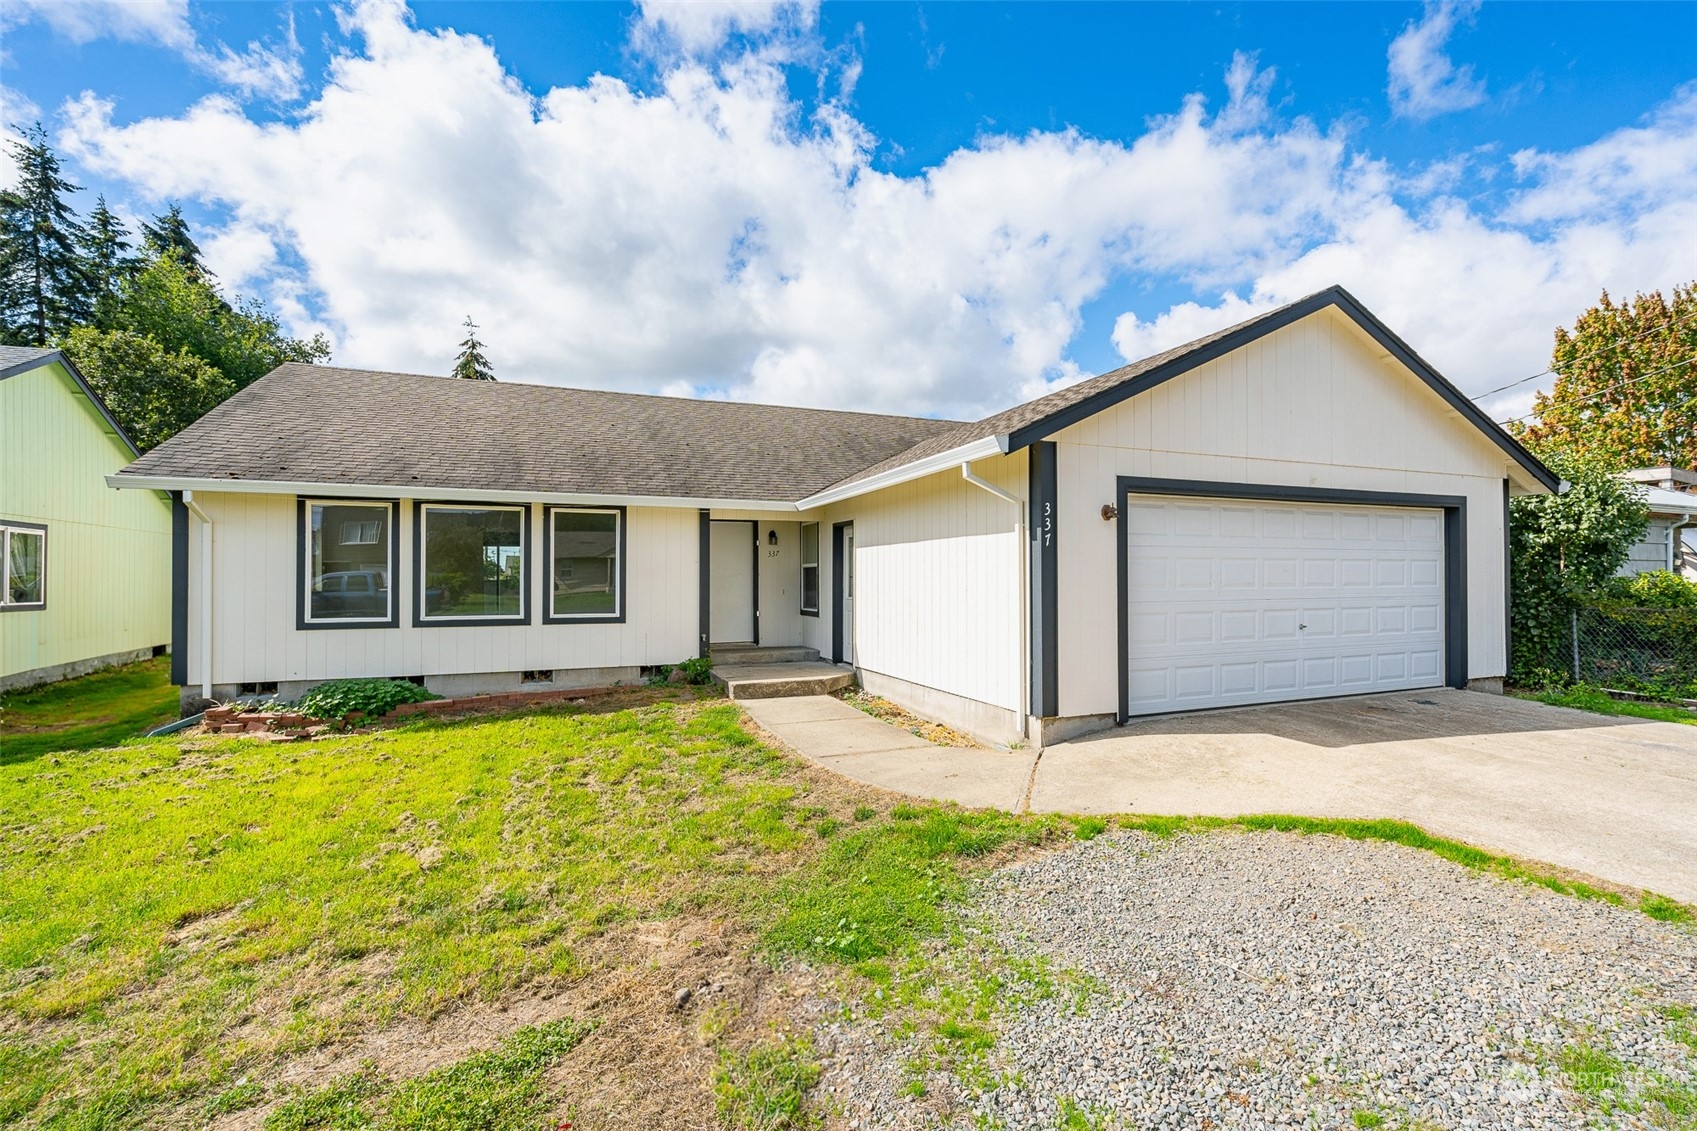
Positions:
{"x": 786, "y": 688}
{"x": 766, "y": 656}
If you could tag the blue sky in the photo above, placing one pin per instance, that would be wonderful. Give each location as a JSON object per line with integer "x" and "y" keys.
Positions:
{"x": 909, "y": 207}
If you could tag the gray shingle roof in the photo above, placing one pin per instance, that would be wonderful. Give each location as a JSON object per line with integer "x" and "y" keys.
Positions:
{"x": 319, "y": 424}
{"x": 17, "y": 359}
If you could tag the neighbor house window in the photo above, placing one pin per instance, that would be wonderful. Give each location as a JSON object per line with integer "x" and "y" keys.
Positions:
{"x": 471, "y": 564}
{"x": 586, "y": 568}
{"x": 23, "y": 562}
{"x": 348, "y": 560}
{"x": 810, "y": 568}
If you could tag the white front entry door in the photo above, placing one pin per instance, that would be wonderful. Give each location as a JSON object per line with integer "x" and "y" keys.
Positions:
{"x": 731, "y": 583}
{"x": 1234, "y": 602}
{"x": 848, "y": 594}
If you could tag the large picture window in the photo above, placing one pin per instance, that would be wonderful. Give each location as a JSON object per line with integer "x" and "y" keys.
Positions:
{"x": 810, "y": 568}
{"x": 472, "y": 564}
{"x": 586, "y": 564}
{"x": 346, "y": 582}
{"x": 23, "y": 566}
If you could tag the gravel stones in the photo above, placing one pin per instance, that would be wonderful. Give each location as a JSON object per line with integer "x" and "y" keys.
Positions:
{"x": 1254, "y": 980}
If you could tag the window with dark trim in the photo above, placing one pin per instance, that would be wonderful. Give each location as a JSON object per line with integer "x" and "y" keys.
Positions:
{"x": 810, "y": 568}
{"x": 23, "y": 566}
{"x": 347, "y": 582}
{"x": 586, "y": 565}
{"x": 472, "y": 563}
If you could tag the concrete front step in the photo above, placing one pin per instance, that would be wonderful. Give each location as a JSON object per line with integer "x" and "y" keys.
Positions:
{"x": 781, "y": 680}
{"x": 726, "y": 654}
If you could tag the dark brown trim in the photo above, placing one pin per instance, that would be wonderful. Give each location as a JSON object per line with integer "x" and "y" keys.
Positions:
{"x": 179, "y": 590}
{"x": 837, "y": 590}
{"x": 1351, "y": 308}
{"x": 303, "y": 574}
{"x": 1455, "y": 551}
{"x": 704, "y": 610}
{"x": 31, "y": 606}
{"x": 419, "y": 620}
{"x": 1042, "y": 491}
{"x": 547, "y": 571}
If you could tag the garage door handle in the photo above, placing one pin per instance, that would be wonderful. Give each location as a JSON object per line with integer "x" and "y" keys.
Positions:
{"x": 1300, "y": 627}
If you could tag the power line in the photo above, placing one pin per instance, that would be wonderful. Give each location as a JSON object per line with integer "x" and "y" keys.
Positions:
{"x": 1588, "y": 356}
{"x": 1611, "y": 388}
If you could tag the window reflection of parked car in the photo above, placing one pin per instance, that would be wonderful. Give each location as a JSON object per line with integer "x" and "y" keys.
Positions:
{"x": 352, "y": 593}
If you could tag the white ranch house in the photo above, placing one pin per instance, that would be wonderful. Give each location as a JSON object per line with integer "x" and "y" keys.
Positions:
{"x": 1295, "y": 507}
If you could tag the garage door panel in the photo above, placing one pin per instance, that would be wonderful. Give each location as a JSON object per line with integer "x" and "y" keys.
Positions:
{"x": 1270, "y": 602}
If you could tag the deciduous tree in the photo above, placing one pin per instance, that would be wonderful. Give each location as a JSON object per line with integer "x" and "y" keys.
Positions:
{"x": 1626, "y": 384}
{"x": 154, "y": 393}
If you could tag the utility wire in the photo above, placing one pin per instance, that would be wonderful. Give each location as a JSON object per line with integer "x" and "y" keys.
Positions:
{"x": 1612, "y": 388}
{"x": 1587, "y": 356}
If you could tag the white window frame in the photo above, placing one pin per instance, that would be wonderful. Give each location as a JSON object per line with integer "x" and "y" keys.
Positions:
{"x": 819, "y": 574}
{"x": 391, "y": 544}
{"x": 29, "y": 530}
{"x": 421, "y": 519}
{"x": 617, "y": 616}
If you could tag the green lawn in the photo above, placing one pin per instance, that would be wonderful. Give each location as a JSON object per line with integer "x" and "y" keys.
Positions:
{"x": 183, "y": 916}
{"x": 1587, "y": 698}
{"x": 96, "y": 710}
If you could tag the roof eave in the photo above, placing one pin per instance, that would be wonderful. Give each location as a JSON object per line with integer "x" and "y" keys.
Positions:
{"x": 1351, "y": 308}
{"x": 58, "y": 357}
{"x": 122, "y": 481}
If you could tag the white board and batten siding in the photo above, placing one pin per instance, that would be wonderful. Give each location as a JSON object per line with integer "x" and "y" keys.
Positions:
{"x": 937, "y": 569}
{"x": 256, "y": 574}
{"x": 1233, "y": 602}
{"x": 1313, "y": 405}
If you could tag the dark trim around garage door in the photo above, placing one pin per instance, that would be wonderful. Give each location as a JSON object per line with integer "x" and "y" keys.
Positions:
{"x": 1455, "y": 551}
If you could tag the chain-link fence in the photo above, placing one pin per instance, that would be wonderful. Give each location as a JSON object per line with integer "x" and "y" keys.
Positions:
{"x": 1649, "y": 651}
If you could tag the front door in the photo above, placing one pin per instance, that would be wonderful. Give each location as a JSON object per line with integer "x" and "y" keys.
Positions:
{"x": 731, "y": 608}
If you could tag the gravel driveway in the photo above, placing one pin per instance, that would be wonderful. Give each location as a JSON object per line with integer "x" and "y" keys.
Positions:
{"x": 1262, "y": 979}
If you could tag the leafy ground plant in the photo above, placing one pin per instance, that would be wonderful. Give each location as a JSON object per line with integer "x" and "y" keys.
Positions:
{"x": 92, "y": 711}
{"x": 372, "y": 698}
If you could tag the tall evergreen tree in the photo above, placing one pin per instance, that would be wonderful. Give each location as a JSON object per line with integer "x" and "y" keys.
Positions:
{"x": 44, "y": 288}
{"x": 471, "y": 364}
{"x": 169, "y": 233}
{"x": 106, "y": 259}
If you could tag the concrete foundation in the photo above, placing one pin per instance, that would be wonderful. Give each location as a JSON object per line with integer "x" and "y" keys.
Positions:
{"x": 455, "y": 686}
{"x": 996, "y": 725}
{"x": 1490, "y": 685}
{"x": 36, "y": 677}
{"x": 1045, "y": 732}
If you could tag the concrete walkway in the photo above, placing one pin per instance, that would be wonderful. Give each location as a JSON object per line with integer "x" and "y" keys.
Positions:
{"x": 856, "y": 745}
{"x": 1611, "y": 797}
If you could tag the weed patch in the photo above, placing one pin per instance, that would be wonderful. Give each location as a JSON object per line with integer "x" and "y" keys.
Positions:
{"x": 765, "y": 1088}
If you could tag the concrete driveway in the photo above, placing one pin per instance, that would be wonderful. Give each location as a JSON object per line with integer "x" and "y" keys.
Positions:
{"x": 1616, "y": 798}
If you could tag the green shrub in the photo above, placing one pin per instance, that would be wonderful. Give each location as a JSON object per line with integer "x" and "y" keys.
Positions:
{"x": 371, "y": 697}
{"x": 1657, "y": 589}
{"x": 698, "y": 668}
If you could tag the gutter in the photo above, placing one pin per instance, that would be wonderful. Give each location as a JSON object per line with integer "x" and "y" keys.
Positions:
{"x": 205, "y": 593}
{"x": 1024, "y": 673}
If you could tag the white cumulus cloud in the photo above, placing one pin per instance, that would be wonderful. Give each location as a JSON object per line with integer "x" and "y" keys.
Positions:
{"x": 713, "y": 236}
{"x": 1423, "y": 81}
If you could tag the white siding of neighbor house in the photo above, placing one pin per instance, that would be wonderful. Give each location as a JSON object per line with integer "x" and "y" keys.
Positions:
{"x": 937, "y": 596}
{"x": 255, "y": 575}
{"x": 1314, "y": 405}
{"x": 1650, "y": 552}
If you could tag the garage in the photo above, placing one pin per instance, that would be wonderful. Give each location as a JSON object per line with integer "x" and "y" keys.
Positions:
{"x": 1231, "y": 600}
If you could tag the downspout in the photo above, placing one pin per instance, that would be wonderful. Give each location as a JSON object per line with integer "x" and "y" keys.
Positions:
{"x": 205, "y": 594}
{"x": 1024, "y": 594}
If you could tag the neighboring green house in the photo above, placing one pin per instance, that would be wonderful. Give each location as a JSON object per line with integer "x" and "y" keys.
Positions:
{"x": 85, "y": 571}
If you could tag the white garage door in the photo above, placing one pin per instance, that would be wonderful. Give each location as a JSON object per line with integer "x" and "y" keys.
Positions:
{"x": 1232, "y": 602}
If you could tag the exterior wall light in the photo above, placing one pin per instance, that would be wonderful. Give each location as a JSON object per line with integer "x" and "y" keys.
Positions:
{"x": 771, "y": 537}
{"x": 1109, "y": 512}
